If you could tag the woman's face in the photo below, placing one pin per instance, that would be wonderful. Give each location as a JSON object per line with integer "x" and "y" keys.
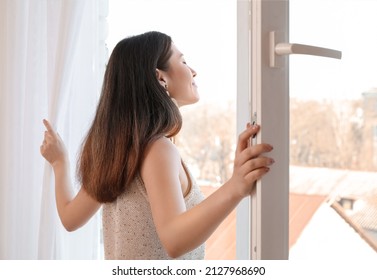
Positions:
{"x": 179, "y": 79}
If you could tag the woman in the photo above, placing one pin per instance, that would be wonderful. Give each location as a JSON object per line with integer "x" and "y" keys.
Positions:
{"x": 152, "y": 208}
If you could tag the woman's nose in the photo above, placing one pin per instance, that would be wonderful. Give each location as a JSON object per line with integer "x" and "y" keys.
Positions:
{"x": 193, "y": 72}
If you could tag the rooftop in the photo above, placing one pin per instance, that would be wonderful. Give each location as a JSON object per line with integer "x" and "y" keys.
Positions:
{"x": 319, "y": 225}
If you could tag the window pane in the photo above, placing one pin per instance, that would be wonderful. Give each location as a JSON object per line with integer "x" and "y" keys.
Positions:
{"x": 333, "y": 189}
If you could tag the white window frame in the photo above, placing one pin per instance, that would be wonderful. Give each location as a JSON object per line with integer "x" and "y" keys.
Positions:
{"x": 262, "y": 219}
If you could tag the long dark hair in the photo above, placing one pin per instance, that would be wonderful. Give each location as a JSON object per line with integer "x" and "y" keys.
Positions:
{"x": 133, "y": 111}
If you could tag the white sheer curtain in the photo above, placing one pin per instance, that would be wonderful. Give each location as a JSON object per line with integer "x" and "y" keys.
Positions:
{"x": 50, "y": 68}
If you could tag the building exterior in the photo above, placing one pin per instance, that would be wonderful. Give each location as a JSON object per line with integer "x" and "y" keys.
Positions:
{"x": 332, "y": 215}
{"x": 370, "y": 126}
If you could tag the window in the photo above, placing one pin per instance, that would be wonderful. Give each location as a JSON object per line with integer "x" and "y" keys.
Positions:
{"x": 333, "y": 132}
{"x": 329, "y": 130}
{"x": 328, "y": 127}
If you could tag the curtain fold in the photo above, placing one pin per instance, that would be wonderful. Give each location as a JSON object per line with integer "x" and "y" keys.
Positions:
{"x": 48, "y": 70}
{"x": 65, "y": 19}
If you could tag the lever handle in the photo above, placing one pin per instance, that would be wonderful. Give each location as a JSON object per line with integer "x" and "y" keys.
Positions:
{"x": 279, "y": 49}
{"x": 287, "y": 48}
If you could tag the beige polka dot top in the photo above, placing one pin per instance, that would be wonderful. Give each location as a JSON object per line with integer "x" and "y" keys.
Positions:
{"x": 128, "y": 228}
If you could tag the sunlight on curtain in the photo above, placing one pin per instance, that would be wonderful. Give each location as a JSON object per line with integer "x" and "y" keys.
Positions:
{"x": 49, "y": 69}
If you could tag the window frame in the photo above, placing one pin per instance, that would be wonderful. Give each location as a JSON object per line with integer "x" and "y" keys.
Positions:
{"x": 262, "y": 219}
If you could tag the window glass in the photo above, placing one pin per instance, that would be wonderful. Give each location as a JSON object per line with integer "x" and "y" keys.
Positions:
{"x": 333, "y": 190}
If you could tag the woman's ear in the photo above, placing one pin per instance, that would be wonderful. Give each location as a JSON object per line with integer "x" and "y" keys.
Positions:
{"x": 160, "y": 75}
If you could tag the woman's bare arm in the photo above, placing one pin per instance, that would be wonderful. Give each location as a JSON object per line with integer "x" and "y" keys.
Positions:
{"x": 74, "y": 210}
{"x": 181, "y": 231}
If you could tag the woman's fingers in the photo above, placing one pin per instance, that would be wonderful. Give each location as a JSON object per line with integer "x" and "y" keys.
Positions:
{"x": 250, "y": 163}
{"x": 256, "y": 174}
{"x": 50, "y": 135}
{"x": 49, "y": 127}
{"x": 252, "y": 152}
{"x": 243, "y": 139}
{"x": 256, "y": 163}
{"x": 52, "y": 148}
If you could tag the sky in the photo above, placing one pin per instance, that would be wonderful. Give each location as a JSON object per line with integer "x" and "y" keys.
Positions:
{"x": 203, "y": 30}
{"x": 346, "y": 25}
{"x": 206, "y": 32}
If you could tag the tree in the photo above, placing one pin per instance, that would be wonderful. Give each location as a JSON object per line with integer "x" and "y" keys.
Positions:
{"x": 322, "y": 133}
{"x": 207, "y": 140}
{"x": 327, "y": 134}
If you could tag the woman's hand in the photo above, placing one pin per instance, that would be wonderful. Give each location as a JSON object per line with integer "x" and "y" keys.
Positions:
{"x": 53, "y": 148}
{"x": 74, "y": 210}
{"x": 249, "y": 164}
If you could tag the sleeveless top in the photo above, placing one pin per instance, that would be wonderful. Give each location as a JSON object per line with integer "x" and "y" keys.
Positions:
{"x": 128, "y": 228}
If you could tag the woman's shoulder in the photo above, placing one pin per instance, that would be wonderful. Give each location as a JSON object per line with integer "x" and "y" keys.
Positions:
{"x": 162, "y": 149}
{"x": 162, "y": 142}
{"x": 161, "y": 160}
